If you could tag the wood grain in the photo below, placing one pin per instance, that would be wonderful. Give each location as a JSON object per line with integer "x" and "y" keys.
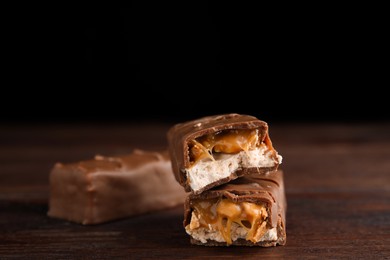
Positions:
{"x": 337, "y": 182}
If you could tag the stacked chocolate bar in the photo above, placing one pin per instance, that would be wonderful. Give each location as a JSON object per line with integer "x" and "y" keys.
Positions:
{"x": 229, "y": 166}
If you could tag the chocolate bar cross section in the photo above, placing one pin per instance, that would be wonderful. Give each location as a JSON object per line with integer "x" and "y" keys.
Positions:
{"x": 248, "y": 211}
{"x": 214, "y": 150}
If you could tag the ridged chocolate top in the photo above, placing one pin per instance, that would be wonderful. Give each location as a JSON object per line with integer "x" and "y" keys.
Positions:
{"x": 268, "y": 189}
{"x": 180, "y": 135}
{"x": 136, "y": 159}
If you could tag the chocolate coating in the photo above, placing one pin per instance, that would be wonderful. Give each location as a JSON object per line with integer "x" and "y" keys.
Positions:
{"x": 109, "y": 188}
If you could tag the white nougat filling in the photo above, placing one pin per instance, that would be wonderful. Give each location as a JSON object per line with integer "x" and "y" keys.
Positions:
{"x": 205, "y": 172}
{"x": 204, "y": 234}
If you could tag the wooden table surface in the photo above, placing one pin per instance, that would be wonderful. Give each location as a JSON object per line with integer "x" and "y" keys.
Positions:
{"x": 337, "y": 180}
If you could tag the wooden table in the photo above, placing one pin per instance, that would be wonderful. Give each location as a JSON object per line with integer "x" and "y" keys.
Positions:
{"x": 337, "y": 182}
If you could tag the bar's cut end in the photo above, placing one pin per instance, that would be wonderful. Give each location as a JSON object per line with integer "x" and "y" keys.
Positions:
{"x": 213, "y": 150}
{"x": 249, "y": 211}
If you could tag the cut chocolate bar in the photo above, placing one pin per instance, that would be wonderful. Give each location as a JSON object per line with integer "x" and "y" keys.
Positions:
{"x": 214, "y": 150}
{"x": 248, "y": 211}
{"x": 108, "y": 188}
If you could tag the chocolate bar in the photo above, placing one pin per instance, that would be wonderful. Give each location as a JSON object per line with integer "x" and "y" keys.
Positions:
{"x": 109, "y": 188}
{"x": 214, "y": 150}
{"x": 249, "y": 211}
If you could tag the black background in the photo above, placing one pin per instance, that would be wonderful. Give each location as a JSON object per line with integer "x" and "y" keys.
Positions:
{"x": 171, "y": 62}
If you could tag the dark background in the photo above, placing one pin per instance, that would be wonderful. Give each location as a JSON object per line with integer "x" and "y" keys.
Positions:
{"x": 170, "y": 62}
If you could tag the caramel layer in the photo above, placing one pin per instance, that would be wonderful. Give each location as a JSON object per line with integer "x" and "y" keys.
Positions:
{"x": 226, "y": 141}
{"x": 220, "y": 214}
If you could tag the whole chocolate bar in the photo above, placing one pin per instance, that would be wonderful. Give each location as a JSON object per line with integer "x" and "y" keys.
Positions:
{"x": 214, "y": 150}
{"x": 109, "y": 188}
{"x": 248, "y": 211}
